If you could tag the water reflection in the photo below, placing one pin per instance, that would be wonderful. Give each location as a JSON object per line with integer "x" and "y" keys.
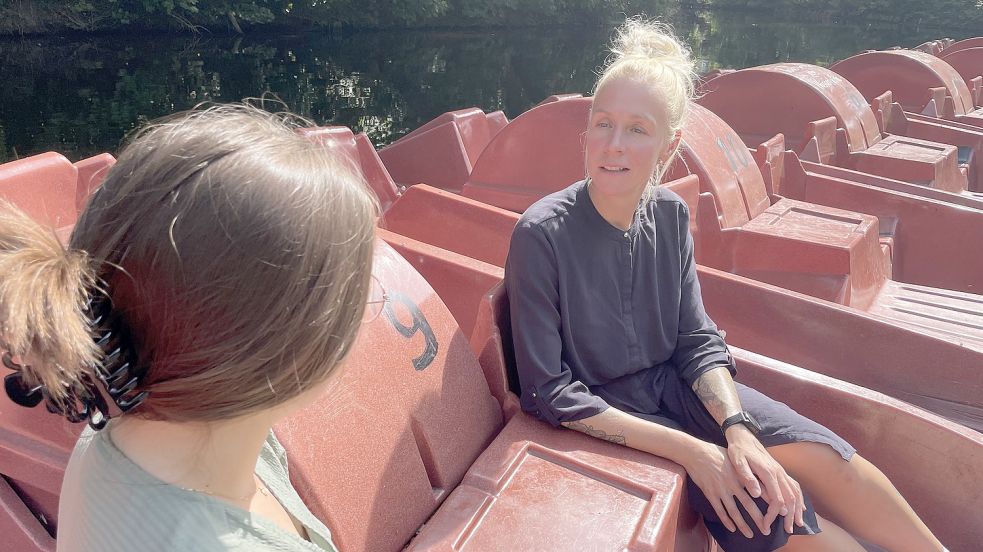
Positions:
{"x": 81, "y": 96}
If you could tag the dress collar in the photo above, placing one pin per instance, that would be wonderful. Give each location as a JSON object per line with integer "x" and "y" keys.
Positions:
{"x": 598, "y": 222}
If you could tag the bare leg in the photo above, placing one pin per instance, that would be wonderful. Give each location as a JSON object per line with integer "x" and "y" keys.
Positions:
{"x": 857, "y": 496}
{"x": 832, "y": 539}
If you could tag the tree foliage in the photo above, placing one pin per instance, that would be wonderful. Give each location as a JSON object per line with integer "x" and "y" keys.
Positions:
{"x": 81, "y": 94}
{"x": 35, "y": 16}
{"x": 24, "y": 16}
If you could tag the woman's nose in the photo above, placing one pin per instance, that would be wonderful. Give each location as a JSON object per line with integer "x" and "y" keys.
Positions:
{"x": 616, "y": 142}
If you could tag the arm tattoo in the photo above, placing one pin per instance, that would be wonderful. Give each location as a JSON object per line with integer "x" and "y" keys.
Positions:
{"x": 717, "y": 393}
{"x": 603, "y": 435}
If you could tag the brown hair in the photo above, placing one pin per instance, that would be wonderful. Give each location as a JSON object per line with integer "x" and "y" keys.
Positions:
{"x": 236, "y": 252}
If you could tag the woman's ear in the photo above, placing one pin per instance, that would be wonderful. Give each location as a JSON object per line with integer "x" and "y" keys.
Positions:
{"x": 672, "y": 146}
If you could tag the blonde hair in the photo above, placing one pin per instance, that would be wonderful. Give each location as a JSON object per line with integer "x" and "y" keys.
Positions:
{"x": 648, "y": 52}
{"x": 236, "y": 252}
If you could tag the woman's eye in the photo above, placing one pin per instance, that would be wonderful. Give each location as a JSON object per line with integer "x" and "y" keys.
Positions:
{"x": 638, "y": 130}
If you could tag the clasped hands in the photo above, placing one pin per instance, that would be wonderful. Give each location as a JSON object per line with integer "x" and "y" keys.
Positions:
{"x": 744, "y": 471}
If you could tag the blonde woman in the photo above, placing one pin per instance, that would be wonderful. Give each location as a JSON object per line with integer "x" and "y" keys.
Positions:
{"x": 210, "y": 288}
{"x": 612, "y": 339}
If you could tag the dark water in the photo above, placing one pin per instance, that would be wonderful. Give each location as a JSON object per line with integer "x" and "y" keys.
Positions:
{"x": 80, "y": 96}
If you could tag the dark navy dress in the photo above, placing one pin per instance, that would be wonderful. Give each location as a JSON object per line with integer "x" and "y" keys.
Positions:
{"x": 603, "y": 317}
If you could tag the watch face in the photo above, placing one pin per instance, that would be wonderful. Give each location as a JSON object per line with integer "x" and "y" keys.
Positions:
{"x": 755, "y": 426}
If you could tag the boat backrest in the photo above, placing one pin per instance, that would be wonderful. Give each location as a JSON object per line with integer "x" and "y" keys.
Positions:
{"x": 537, "y": 153}
{"x": 35, "y": 445}
{"x": 974, "y": 42}
{"x": 542, "y": 151}
{"x": 406, "y": 416}
{"x": 91, "y": 172}
{"x": 459, "y": 280}
{"x": 474, "y": 230}
{"x": 361, "y": 153}
{"x": 44, "y": 187}
{"x": 911, "y": 77}
{"x": 452, "y": 222}
{"x": 760, "y": 102}
{"x": 474, "y": 126}
{"x": 456, "y": 138}
{"x": 715, "y": 153}
{"x": 492, "y": 341}
{"x": 968, "y": 62}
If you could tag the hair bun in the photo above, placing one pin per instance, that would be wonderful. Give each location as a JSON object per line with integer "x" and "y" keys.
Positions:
{"x": 647, "y": 51}
{"x": 641, "y": 40}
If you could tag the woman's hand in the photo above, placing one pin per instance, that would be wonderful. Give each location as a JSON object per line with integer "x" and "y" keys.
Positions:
{"x": 714, "y": 473}
{"x": 753, "y": 463}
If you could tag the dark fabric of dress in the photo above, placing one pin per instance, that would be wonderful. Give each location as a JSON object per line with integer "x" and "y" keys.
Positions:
{"x": 605, "y": 317}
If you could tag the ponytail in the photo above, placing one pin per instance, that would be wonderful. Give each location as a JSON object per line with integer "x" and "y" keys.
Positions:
{"x": 44, "y": 290}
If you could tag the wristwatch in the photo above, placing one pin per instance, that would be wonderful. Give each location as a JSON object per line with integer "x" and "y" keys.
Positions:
{"x": 742, "y": 417}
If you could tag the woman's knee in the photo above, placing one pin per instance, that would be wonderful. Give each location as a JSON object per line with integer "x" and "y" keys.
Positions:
{"x": 811, "y": 461}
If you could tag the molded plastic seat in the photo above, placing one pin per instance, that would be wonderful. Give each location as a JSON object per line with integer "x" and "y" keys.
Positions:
{"x": 541, "y": 489}
{"x": 91, "y": 172}
{"x": 513, "y": 177}
{"x": 912, "y": 160}
{"x": 453, "y": 141}
{"x": 45, "y": 187}
{"x": 480, "y": 224}
{"x": 858, "y": 271}
{"x": 920, "y": 236}
{"x": 460, "y": 281}
{"x": 973, "y": 42}
{"x": 968, "y": 62}
{"x": 361, "y": 153}
{"x": 825, "y": 119}
{"x": 920, "y": 82}
{"x": 409, "y": 414}
{"x": 881, "y": 428}
{"x": 34, "y": 445}
{"x": 836, "y": 253}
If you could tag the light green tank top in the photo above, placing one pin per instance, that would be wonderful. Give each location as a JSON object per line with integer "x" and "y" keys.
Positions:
{"x": 109, "y": 504}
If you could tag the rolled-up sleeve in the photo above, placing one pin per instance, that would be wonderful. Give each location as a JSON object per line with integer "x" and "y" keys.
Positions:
{"x": 549, "y": 390}
{"x": 699, "y": 346}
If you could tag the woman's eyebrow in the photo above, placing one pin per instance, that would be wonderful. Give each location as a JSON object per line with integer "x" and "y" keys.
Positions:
{"x": 632, "y": 116}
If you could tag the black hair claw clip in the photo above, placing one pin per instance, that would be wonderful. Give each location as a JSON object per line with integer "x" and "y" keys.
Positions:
{"x": 117, "y": 376}
{"x": 17, "y": 389}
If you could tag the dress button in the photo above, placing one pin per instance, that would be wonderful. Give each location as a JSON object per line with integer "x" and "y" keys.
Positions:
{"x": 626, "y": 234}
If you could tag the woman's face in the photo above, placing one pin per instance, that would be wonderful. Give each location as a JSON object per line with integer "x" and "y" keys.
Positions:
{"x": 627, "y": 137}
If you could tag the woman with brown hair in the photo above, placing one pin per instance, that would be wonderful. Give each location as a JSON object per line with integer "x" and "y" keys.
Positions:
{"x": 211, "y": 287}
{"x": 611, "y": 337}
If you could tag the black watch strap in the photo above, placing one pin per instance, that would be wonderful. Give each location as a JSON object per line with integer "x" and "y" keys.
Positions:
{"x": 741, "y": 417}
